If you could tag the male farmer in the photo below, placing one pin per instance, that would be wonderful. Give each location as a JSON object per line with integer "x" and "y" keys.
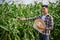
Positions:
{"x": 47, "y": 18}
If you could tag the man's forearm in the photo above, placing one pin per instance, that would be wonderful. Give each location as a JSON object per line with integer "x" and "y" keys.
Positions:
{"x": 41, "y": 28}
{"x": 27, "y": 19}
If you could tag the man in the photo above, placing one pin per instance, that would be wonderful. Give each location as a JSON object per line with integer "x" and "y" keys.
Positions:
{"x": 47, "y": 18}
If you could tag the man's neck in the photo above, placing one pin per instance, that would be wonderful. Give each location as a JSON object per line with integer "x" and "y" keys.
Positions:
{"x": 45, "y": 14}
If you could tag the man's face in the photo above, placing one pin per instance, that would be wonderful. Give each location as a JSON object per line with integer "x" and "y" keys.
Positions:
{"x": 44, "y": 10}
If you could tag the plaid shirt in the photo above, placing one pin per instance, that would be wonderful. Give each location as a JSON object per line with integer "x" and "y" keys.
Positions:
{"x": 48, "y": 21}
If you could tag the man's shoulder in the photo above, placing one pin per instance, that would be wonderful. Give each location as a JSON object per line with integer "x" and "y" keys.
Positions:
{"x": 49, "y": 16}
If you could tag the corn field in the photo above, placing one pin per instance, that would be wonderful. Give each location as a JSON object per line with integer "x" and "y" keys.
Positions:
{"x": 12, "y": 28}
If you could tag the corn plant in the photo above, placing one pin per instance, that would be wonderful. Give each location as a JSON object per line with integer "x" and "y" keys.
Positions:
{"x": 12, "y": 28}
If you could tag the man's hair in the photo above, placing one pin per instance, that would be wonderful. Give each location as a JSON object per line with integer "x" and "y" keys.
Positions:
{"x": 45, "y": 6}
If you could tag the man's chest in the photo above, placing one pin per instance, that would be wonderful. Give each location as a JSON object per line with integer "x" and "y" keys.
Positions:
{"x": 43, "y": 18}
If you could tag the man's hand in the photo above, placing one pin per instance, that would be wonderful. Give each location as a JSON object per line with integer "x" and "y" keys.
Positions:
{"x": 22, "y": 18}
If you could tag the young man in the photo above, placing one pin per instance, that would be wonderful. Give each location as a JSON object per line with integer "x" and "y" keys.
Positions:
{"x": 47, "y": 18}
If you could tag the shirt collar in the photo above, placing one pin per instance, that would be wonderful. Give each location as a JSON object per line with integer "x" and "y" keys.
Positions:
{"x": 45, "y": 15}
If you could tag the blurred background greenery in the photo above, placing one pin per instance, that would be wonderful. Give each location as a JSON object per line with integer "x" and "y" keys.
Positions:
{"x": 12, "y": 28}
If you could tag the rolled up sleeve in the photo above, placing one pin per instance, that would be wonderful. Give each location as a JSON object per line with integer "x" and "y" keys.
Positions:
{"x": 27, "y": 19}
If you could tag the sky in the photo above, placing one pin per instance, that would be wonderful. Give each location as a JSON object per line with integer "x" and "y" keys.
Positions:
{"x": 28, "y": 1}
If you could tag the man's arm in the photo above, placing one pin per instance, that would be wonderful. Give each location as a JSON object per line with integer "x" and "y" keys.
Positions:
{"x": 50, "y": 23}
{"x": 27, "y": 19}
{"x": 32, "y": 18}
{"x": 41, "y": 27}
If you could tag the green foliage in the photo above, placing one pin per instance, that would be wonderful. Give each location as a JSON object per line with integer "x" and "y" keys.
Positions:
{"x": 54, "y": 9}
{"x": 12, "y": 28}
